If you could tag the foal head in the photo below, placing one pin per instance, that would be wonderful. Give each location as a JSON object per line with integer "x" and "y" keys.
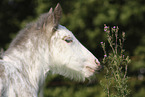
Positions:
{"x": 68, "y": 57}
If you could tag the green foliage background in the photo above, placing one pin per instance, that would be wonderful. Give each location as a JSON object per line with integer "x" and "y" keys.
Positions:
{"x": 86, "y": 19}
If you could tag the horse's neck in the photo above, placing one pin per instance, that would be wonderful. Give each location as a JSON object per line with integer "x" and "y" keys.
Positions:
{"x": 30, "y": 63}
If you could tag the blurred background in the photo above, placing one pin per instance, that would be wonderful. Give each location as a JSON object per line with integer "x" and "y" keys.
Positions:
{"x": 86, "y": 19}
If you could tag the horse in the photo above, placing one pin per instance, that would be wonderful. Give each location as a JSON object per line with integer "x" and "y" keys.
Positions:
{"x": 43, "y": 46}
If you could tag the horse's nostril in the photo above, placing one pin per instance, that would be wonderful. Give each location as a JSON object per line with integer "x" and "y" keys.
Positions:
{"x": 97, "y": 62}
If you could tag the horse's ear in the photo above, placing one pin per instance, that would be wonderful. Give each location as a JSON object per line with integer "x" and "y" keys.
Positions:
{"x": 50, "y": 11}
{"x": 48, "y": 21}
{"x": 53, "y": 18}
{"x": 57, "y": 14}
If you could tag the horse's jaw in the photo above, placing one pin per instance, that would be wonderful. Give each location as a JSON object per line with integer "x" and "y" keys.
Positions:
{"x": 77, "y": 73}
{"x": 68, "y": 72}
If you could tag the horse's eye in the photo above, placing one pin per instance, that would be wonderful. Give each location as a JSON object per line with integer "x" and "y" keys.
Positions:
{"x": 68, "y": 39}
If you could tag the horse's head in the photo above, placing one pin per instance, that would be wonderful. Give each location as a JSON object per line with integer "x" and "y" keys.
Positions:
{"x": 68, "y": 57}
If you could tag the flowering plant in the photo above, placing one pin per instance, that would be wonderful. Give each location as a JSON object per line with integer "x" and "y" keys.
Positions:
{"x": 115, "y": 65}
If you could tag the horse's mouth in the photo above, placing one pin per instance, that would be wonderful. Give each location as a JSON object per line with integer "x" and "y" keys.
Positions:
{"x": 90, "y": 69}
